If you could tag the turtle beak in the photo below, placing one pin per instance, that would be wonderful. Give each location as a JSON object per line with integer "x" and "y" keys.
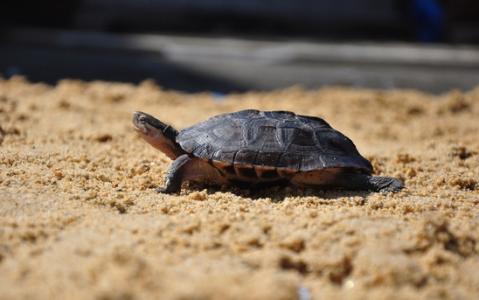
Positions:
{"x": 146, "y": 124}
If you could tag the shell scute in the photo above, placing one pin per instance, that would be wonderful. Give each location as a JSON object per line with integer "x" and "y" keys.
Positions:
{"x": 245, "y": 157}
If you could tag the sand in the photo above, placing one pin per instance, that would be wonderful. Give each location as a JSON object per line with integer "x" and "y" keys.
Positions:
{"x": 79, "y": 217}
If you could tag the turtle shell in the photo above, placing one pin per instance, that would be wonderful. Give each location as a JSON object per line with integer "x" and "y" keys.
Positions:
{"x": 272, "y": 139}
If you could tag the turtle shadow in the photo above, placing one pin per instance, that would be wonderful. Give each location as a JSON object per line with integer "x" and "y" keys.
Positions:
{"x": 280, "y": 193}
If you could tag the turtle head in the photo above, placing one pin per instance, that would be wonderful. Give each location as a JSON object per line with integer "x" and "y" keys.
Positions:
{"x": 158, "y": 134}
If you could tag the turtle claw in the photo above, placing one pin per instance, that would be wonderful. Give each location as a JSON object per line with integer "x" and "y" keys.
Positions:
{"x": 394, "y": 187}
{"x": 161, "y": 190}
{"x": 166, "y": 190}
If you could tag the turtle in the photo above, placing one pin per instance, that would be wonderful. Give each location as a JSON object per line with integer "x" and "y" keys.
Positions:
{"x": 253, "y": 149}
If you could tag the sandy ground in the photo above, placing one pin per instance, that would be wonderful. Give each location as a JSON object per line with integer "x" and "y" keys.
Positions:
{"x": 79, "y": 218}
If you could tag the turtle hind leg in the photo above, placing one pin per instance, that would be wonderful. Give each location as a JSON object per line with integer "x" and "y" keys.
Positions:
{"x": 385, "y": 184}
{"x": 175, "y": 175}
{"x": 366, "y": 182}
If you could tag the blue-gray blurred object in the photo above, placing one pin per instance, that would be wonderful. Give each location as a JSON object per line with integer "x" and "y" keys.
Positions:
{"x": 429, "y": 20}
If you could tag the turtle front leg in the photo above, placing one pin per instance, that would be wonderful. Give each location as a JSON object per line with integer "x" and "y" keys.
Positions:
{"x": 366, "y": 182}
{"x": 175, "y": 175}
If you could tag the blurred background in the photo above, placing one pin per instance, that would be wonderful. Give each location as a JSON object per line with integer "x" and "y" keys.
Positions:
{"x": 225, "y": 46}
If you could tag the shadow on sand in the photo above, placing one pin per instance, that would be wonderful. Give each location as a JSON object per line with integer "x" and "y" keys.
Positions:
{"x": 280, "y": 193}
